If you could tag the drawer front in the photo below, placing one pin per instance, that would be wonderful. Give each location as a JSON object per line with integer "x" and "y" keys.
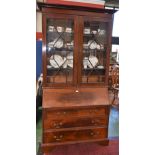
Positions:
{"x": 77, "y": 112}
{"x": 74, "y": 122}
{"x": 67, "y": 136}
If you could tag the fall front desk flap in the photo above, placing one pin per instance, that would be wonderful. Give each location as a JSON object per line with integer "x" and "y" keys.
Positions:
{"x": 57, "y": 98}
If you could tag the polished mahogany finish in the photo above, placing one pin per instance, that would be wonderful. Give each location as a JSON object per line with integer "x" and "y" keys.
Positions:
{"x": 72, "y": 7}
{"x": 74, "y": 135}
{"x": 76, "y": 48}
{"x": 74, "y": 122}
{"x": 72, "y": 98}
{"x": 74, "y": 116}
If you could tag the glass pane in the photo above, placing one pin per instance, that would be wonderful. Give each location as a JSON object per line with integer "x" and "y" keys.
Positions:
{"x": 94, "y": 52}
{"x": 59, "y": 50}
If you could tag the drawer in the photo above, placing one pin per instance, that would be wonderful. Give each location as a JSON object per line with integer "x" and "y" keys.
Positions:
{"x": 77, "y": 112}
{"x": 73, "y": 135}
{"x": 55, "y": 123}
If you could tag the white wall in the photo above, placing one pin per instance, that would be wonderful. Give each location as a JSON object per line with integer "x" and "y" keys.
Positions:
{"x": 38, "y": 22}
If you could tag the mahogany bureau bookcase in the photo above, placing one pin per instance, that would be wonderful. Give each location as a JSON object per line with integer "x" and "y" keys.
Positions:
{"x": 76, "y": 49}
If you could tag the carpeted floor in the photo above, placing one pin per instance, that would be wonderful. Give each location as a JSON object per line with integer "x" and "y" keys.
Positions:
{"x": 87, "y": 149}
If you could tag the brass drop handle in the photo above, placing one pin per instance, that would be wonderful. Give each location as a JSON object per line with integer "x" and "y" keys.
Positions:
{"x": 58, "y": 113}
{"x": 95, "y": 121}
{"x": 93, "y": 110}
{"x": 58, "y": 138}
{"x": 94, "y": 134}
{"x": 57, "y": 125}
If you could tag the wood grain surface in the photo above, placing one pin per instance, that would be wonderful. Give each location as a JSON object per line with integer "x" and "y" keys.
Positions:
{"x": 57, "y": 98}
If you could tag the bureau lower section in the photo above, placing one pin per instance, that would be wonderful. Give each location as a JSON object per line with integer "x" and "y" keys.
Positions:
{"x": 74, "y": 125}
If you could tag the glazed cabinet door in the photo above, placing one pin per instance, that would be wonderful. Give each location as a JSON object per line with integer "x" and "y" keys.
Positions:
{"x": 58, "y": 50}
{"x": 94, "y": 53}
